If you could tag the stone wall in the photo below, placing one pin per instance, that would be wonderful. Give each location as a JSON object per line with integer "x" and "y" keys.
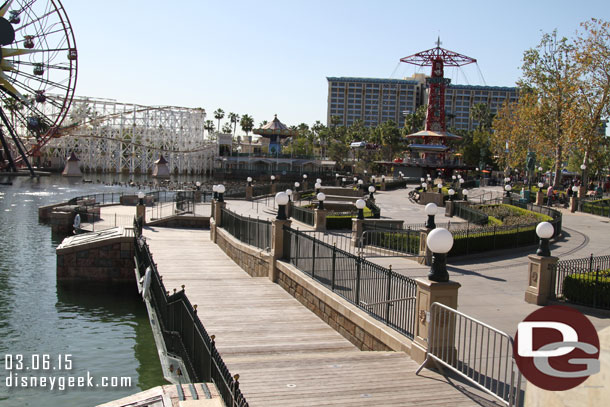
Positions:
{"x": 100, "y": 262}
{"x": 352, "y": 323}
{"x": 252, "y": 260}
{"x": 193, "y": 222}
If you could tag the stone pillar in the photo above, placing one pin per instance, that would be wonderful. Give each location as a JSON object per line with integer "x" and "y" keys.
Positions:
{"x": 429, "y": 292}
{"x": 197, "y": 196}
{"x": 540, "y": 198}
{"x": 213, "y": 206}
{"x": 425, "y": 255}
{"x": 277, "y": 246}
{"x": 274, "y": 188}
{"x": 357, "y": 231}
{"x": 319, "y": 220}
{"x": 289, "y": 208}
{"x": 296, "y": 196}
{"x": 540, "y": 279}
{"x": 573, "y": 204}
{"x": 449, "y": 208}
{"x": 249, "y": 192}
{"x": 218, "y": 213}
{"x": 141, "y": 212}
{"x": 383, "y": 184}
{"x": 582, "y": 191}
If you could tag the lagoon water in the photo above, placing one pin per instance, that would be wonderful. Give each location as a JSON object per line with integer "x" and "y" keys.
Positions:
{"x": 107, "y": 333}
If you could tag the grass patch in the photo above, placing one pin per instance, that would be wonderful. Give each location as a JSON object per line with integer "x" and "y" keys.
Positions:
{"x": 509, "y": 215}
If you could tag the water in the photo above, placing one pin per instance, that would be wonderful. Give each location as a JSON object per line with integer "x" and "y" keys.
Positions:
{"x": 107, "y": 332}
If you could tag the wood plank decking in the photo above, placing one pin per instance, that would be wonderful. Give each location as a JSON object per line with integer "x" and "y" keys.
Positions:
{"x": 285, "y": 355}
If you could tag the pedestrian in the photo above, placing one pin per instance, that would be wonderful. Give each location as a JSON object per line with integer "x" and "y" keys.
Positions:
{"x": 549, "y": 195}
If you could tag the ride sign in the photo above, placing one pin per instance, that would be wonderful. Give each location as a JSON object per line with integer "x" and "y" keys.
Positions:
{"x": 556, "y": 348}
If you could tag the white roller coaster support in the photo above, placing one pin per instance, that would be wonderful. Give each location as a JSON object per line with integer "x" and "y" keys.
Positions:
{"x": 108, "y": 136}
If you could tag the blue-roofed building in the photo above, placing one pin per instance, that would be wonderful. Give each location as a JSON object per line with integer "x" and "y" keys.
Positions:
{"x": 375, "y": 101}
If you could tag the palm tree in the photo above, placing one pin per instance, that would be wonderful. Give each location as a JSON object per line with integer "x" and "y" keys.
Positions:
{"x": 218, "y": 115}
{"x": 209, "y": 126}
{"x": 227, "y": 128}
{"x": 246, "y": 123}
{"x": 234, "y": 118}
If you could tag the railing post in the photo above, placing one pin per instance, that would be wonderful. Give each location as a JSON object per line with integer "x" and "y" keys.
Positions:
{"x": 313, "y": 259}
{"x": 358, "y": 273}
{"x": 334, "y": 268}
{"x": 388, "y": 293}
{"x": 278, "y": 249}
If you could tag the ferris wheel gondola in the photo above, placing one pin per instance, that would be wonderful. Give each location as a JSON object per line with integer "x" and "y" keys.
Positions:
{"x": 38, "y": 58}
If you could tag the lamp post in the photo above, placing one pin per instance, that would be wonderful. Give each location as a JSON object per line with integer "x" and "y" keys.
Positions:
{"x": 221, "y": 190}
{"x": 141, "y": 196}
{"x": 215, "y": 191}
{"x": 272, "y": 179}
{"x": 281, "y": 199}
{"x": 507, "y": 188}
{"x": 424, "y": 186}
{"x": 343, "y": 181}
{"x": 431, "y": 210}
{"x": 249, "y": 180}
{"x": 371, "y": 192}
{"x": 440, "y": 187}
{"x": 439, "y": 241}
{"x": 583, "y": 167}
{"x": 545, "y": 231}
{"x": 465, "y": 194}
{"x": 317, "y": 186}
{"x": 355, "y": 180}
{"x": 360, "y": 183}
{"x": 289, "y": 193}
{"x": 454, "y": 178}
{"x": 451, "y": 194}
{"x": 321, "y": 197}
{"x": 198, "y": 185}
{"x": 296, "y": 186}
{"x": 360, "y": 204}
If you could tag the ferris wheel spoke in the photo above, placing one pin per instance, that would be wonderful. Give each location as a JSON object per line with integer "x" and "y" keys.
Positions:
{"x": 41, "y": 80}
{"x": 47, "y": 66}
{"x": 34, "y": 21}
{"x": 4, "y": 8}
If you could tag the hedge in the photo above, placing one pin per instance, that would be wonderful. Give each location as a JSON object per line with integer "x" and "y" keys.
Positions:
{"x": 584, "y": 289}
{"x": 344, "y": 221}
{"x": 598, "y": 207}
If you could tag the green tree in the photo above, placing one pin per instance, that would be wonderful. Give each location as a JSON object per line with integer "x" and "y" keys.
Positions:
{"x": 415, "y": 121}
{"x": 209, "y": 126}
{"x": 233, "y": 119}
{"x": 390, "y": 138}
{"x": 227, "y": 128}
{"x": 218, "y": 115}
{"x": 246, "y": 123}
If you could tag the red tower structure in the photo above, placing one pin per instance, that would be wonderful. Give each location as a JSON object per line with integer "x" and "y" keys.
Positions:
{"x": 437, "y": 58}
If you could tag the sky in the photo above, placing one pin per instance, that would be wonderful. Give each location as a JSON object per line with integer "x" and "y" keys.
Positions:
{"x": 273, "y": 57}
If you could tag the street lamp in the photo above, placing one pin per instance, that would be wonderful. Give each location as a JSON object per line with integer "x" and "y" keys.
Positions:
{"x": 583, "y": 167}
{"x": 430, "y": 210}
{"x": 540, "y": 185}
{"x": 439, "y": 241}
{"x": 360, "y": 182}
{"x": 281, "y": 199}
{"x": 424, "y": 186}
{"x": 440, "y": 187}
{"x": 221, "y": 190}
{"x": 575, "y": 191}
{"x": 273, "y": 179}
{"x": 371, "y": 191}
{"x": 296, "y": 186}
{"x": 215, "y": 191}
{"x": 465, "y": 194}
{"x": 545, "y": 231}
{"x": 360, "y": 204}
{"x": 317, "y": 186}
{"x": 319, "y": 181}
{"x": 249, "y": 179}
{"x": 198, "y": 185}
{"x": 289, "y": 193}
{"x": 343, "y": 181}
{"x": 507, "y": 188}
{"x": 355, "y": 180}
{"x": 321, "y": 197}
{"x": 451, "y": 194}
{"x": 141, "y": 196}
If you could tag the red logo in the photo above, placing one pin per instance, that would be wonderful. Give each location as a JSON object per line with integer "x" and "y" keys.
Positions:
{"x": 556, "y": 348}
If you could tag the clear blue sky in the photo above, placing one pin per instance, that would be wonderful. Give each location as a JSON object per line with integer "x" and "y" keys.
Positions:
{"x": 265, "y": 57}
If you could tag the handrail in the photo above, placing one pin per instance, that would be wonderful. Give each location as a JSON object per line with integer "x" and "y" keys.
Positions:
{"x": 366, "y": 304}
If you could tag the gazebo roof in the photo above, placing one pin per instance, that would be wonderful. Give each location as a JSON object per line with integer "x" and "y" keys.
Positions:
{"x": 161, "y": 160}
{"x": 436, "y": 134}
{"x": 73, "y": 157}
{"x": 275, "y": 128}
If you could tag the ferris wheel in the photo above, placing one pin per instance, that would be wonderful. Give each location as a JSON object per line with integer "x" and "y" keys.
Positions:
{"x": 38, "y": 69}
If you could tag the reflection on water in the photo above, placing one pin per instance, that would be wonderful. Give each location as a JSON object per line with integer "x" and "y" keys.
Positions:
{"x": 105, "y": 330}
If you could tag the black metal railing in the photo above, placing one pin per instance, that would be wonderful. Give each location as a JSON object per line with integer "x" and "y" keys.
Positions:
{"x": 398, "y": 240}
{"x": 464, "y": 211}
{"x": 583, "y": 281}
{"x": 384, "y": 294}
{"x": 304, "y": 215}
{"x": 253, "y": 231}
{"x": 375, "y": 210}
{"x": 183, "y": 333}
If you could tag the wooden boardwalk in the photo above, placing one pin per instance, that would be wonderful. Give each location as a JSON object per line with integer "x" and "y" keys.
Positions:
{"x": 285, "y": 355}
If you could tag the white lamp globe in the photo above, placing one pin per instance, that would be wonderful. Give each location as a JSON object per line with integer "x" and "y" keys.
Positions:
{"x": 281, "y": 198}
{"x": 539, "y": 168}
{"x": 451, "y": 192}
{"x": 220, "y": 189}
{"x": 424, "y": 185}
{"x": 431, "y": 209}
{"x": 465, "y": 192}
{"x": 321, "y": 196}
{"x": 141, "y": 195}
{"x": 574, "y": 188}
{"x": 360, "y": 182}
{"x": 273, "y": 178}
{"x": 461, "y": 180}
{"x": 440, "y": 240}
{"x": 337, "y": 175}
{"x": 371, "y": 189}
{"x": 304, "y": 176}
{"x": 355, "y": 179}
{"x": 507, "y": 187}
{"x": 422, "y": 179}
{"x": 383, "y": 177}
{"x": 343, "y": 179}
{"x": 440, "y": 186}
{"x": 583, "y": 167}
{"x": 476, "y": 169}
{"x": 214, "y": 188}
{"x": 506, "y": 179}
{"x": 317, "y": 185}
{"x": 459, "y": 176}
{"x": 289, "y": 192}
{"x": 198, "y": 183}
{"x": 365, "y": 171}
{"x": 540, "y": 185}
{"x": 360, "y": 204}
{"x": 453, "y": 177}
{"x": 545, "y": 230}
{"x": 296, "y": 185}
{"x": 249, "y": 179}
{"x": 319, "y": 181}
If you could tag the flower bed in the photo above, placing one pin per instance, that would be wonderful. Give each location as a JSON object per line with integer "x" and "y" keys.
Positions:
{"x": 508, "y": 215}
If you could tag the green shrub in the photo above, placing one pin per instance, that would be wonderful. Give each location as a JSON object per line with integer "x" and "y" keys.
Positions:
{"x": 344, "y": 221}
{"x": 584, "y": 289}
{"x": 511, "y": 215}
{"x": 403, "y": 242}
